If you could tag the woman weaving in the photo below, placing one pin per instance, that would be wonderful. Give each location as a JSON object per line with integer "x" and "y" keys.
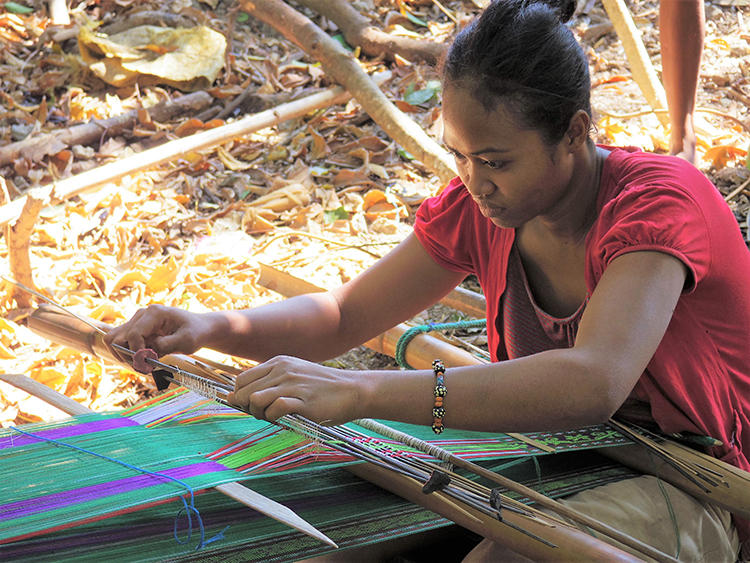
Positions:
{"x": 616, "y": 280}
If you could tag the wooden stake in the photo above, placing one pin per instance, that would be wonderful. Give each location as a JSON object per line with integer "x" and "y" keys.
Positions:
{"x": 18, "y": 248}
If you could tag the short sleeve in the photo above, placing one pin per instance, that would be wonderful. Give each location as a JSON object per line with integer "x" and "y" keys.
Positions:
{"x": 658, "y": 218}
{"x": 444, "y": 225}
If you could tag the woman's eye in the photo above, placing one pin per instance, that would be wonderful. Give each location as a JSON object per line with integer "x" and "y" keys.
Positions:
{"x": 494, "y": 164}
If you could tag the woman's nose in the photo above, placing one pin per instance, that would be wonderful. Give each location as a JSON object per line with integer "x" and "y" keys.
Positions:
{"x": 478, "y": 184}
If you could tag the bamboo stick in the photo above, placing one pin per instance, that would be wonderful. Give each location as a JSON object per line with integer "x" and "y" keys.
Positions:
{"x": 421, "y": 350}
{"x": 570, "y": 544}
{"x": 41, "y": 391}
{"x": 538, "y": 498}
{"x": 91, "y": 179}
{"x": 638, "y": 58}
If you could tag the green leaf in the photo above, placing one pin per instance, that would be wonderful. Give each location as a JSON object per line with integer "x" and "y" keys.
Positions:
{"x": 340, "y": 38}
{"x": 16, "y": 8}
{"x": 414, "y": 19}
{"x": 335, "y": 214}
{"x": 242, "y": 17}
{"x": 403, "y": 153}
{"x": 418, "y": 97}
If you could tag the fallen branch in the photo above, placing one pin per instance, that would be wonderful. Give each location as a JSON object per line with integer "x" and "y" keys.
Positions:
{"x": 18, "y": 249}
{"x": 91, "y": 179}
{"x": 39, "y": 146}
{"x": 342, "y": 67}
{"x": 359, "y": 32}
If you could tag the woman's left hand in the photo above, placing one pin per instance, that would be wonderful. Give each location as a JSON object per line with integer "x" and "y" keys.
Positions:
{"x": 287, "y": 385}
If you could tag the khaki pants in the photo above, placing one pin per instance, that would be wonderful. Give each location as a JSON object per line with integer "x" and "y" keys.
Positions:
{"x": 639, "y": 508}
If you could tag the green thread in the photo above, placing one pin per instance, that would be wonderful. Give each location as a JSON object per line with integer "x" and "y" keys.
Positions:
{"x": 409, "y": 335}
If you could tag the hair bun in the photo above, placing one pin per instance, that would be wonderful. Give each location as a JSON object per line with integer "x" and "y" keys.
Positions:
{"x": 564, "y": 8}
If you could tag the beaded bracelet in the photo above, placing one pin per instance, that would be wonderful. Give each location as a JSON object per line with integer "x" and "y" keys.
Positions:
{"x": 438, "y": 411}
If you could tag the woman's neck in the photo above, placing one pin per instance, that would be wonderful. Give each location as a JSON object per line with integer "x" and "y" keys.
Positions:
{"x": 576, "y": 212}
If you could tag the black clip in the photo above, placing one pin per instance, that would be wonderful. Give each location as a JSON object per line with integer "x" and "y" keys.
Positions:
{"x": 161, "y": 382}
{"x": 437, "y": 482}
{"x": 496, "y": 502}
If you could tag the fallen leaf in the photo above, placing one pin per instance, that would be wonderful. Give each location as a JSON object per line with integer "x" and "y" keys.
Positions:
{"x": 720, "y": 155}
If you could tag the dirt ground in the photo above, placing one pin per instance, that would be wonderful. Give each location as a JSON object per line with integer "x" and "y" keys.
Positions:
{"x": 319, "y": 197}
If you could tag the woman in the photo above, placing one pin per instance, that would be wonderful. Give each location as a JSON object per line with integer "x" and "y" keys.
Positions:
{"x": 615, "y": 279}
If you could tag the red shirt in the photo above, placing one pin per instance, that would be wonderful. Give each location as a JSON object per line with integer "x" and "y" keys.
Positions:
{"x": 699, "y": 378}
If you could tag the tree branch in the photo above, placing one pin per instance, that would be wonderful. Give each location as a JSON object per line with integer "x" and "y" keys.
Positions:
{"x": 359, "y": 32}
{"x": 342, "y": 67}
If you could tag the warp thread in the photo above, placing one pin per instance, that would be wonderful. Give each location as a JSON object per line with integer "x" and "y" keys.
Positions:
{"x": 188, "y": 507}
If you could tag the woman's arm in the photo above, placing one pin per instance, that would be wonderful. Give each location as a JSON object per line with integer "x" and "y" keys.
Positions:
{"x": 315, "y": 327}
{"x": 621, "y": 328}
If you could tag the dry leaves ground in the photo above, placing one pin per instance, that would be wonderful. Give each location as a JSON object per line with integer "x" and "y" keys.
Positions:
{"x": 319, "y": 197}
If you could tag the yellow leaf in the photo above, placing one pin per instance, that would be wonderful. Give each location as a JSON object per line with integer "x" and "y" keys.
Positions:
{"x": 163, "y": 276}
{"x": 128, "y": 279}
{"x": 229, "y": 161}
{"x": 49, "y": 376}
{"x": 720, "y": 155}
{"x": 106, "y": 312}
{"x": 7, "y": 326}
{"x": 6, "y": 353}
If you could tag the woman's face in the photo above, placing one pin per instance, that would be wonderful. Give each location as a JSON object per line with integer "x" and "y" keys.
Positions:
{"x": 511, "y": 172}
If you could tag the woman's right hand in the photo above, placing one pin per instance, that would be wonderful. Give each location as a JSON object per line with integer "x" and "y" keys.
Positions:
{"x": 164, "y": 329}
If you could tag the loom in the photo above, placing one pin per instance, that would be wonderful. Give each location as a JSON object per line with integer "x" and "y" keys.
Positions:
{"x": 209, "y": 444}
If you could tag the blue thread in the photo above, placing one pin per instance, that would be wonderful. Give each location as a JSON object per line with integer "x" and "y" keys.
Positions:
{"x": 187, "y": 508}
{"x": 406, "y": 337}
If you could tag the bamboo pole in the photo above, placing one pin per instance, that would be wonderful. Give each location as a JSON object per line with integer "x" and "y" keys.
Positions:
{"x": 422, "y": 349}
{"x": 570, "y": 544}
{"x": 91, "y": 179}
{"x": 640, "y": 63}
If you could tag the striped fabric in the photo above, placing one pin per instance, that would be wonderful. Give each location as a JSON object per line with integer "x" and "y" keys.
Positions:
{"x": 525, "y": 327}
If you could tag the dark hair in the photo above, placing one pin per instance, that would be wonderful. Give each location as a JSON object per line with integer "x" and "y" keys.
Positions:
{"x": 521, "y": 52}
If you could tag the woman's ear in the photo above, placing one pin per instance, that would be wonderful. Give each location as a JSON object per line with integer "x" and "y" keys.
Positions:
{"x": 578, "y": 130}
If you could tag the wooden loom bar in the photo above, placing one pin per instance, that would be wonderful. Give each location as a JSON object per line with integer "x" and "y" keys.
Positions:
{"x": 569, "y": 542}
{"x": 638, "y": 456}
{"x": 236, "y": 491}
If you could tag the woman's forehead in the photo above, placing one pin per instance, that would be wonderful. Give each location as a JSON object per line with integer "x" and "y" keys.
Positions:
{"x": 467, "y": 124}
